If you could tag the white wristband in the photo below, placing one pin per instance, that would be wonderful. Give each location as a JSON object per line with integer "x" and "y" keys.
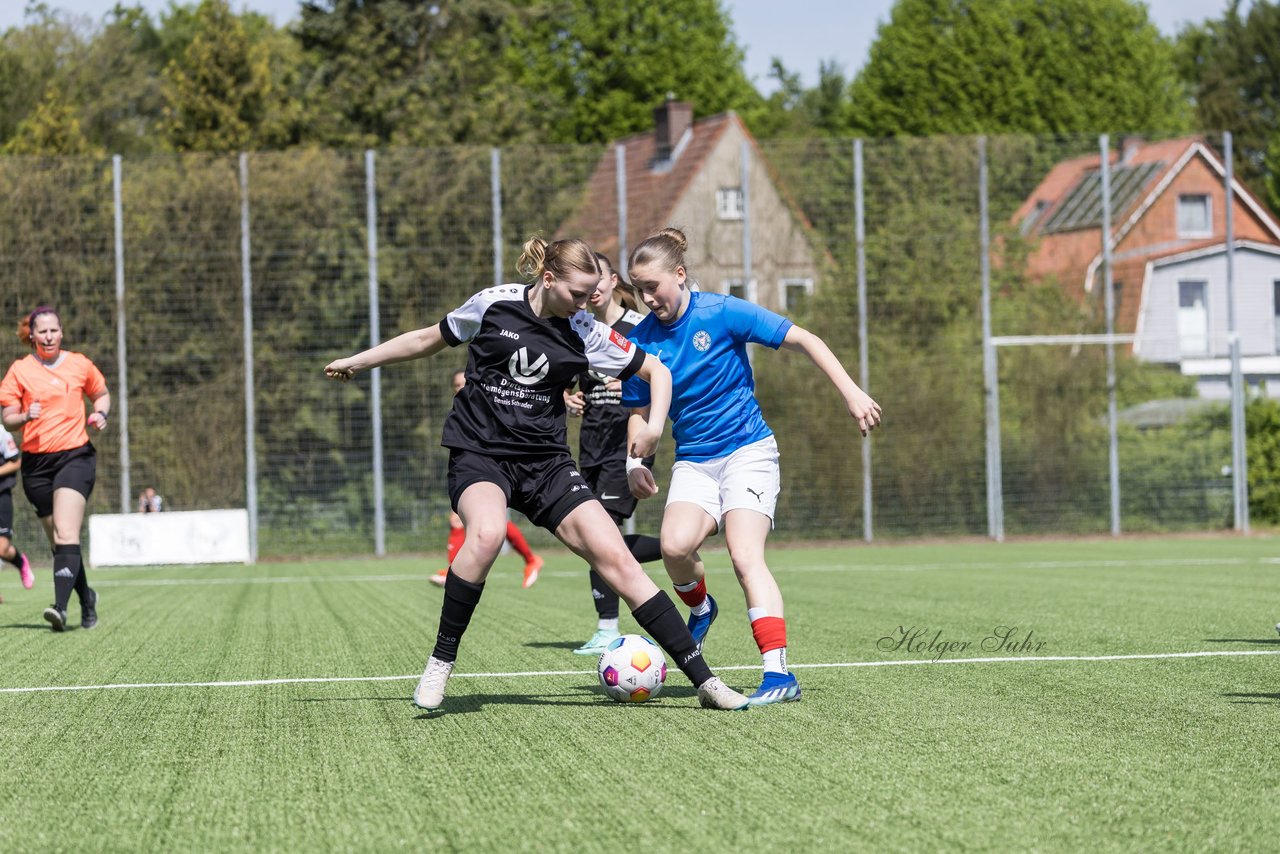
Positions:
{"x": 634, "y": 463}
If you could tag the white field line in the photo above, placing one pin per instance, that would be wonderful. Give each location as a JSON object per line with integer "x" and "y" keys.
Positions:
{"x": 250, "y": 683}
{"x": 884, "y": 567}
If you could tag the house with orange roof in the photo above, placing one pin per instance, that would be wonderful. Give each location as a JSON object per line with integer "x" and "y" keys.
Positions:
{"x": 745, "y": 237}
{"x": 1169, "y": 258}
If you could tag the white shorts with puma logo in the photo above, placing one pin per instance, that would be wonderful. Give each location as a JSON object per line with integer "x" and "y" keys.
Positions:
{"x": 747, "y": 479}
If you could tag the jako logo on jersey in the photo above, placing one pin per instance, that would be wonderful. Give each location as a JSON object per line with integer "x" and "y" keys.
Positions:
{"x": 509, "y": 334}
{"x": 701, "y": 340}
{"x": 620, "y": 341}
{"x": 525, "y": 373}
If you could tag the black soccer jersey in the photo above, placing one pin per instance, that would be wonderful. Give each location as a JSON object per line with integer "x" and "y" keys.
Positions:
{"x": 518, "y": 365}
{"x": 603, "y": 437}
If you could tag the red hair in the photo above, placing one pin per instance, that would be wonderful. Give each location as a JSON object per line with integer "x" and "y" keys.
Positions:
{"x": 24, "y": 325}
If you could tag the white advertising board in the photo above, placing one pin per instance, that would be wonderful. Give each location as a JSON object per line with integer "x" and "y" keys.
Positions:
{"x": 198, "y": 536}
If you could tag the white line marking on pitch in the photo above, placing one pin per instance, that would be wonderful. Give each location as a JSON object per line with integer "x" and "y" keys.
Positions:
{"x": 884, "y": 567}
{"x": 249, "y": 683}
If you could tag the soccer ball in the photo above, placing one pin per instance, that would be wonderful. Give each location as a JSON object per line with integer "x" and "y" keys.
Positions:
{"x": 632, "y": 669}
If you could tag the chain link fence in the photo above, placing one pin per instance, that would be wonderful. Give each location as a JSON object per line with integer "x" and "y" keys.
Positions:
{"x": 912, "y": 220}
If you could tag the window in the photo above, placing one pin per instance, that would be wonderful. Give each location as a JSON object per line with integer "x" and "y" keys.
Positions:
{"x": 1194, "y": 216}
{"x": 1193, "y": 319}
{"x": 741, "y": 289}
{"x": 729, "y": 203}
{"x": 795, "y": 292}
{"x": 1275, "y": 287}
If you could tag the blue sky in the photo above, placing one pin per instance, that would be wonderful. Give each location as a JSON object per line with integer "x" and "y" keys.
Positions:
{"x": 801, "y": 33}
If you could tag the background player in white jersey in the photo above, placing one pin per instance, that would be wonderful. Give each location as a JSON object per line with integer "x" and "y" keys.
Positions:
{"x": 726, "y": 472}
{"x": 10, "y": 461}
{"x": 508, "y": 447}
{"x": 602, "y": 447}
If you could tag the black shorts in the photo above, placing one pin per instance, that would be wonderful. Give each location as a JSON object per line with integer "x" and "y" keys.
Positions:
{"x": 43, "y": 473}
{"x": 609, "y": 481}
{"x": 6, "y": 513}
{"x": 544, "y": 487}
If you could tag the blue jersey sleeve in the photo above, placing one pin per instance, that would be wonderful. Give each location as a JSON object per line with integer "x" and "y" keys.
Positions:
{"x": 750, "y": 322}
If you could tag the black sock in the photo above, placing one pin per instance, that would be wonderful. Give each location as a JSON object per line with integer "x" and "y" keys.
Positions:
{"x": 659, "y": 617}
{"x": 460, "y": 600}
{"x": 82, "y": 577}
{"x": 644, "y": 548}
{"x": 16, "y": 560}
{"x": 606, "y": 600}
{"x": 66, "y": 569}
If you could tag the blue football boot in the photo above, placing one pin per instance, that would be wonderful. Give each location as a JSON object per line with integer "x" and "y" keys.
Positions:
{"x": 776, "y": 688}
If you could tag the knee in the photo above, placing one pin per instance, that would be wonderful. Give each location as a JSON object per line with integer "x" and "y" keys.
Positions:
{"x": 749, "y": 565}
{"x": 678, "y": 550}
{"x": 486, "y": 538}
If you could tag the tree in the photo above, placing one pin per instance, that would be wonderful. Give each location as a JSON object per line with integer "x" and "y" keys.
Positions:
{"x": 52, "y": 128}
{"x": 400, "y": 72}
{"x": 220, "y": 93}
{"x": 793, "y": 111}
{"x": 597, "y": 68}
{"x": 997, "y": 66}
{"x": 1233, "y": 68}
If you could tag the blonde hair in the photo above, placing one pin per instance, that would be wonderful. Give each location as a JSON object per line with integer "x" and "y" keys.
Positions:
{"x": 560, "y": 258}
{"x": 666, "y": 248}
{"x": 24, "y": 325}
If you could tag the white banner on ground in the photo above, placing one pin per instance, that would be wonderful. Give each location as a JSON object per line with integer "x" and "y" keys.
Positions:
{"x": 201, "y": 536}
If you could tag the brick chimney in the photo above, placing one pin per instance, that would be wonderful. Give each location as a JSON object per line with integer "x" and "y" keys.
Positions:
{"x": 1129, "y": 146}
{"x": 670, "y": 121}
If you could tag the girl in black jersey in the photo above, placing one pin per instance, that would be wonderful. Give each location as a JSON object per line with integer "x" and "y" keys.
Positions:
{"x": 602, "y": 447}
{"x": 508, "y": 446}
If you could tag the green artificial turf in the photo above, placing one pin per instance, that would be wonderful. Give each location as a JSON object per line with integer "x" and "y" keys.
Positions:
{"x": 895, "y": 746}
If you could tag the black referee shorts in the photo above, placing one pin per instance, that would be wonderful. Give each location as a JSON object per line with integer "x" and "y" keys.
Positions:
{"x": 544, "y": 487}
{"x": 6, "y": 513}
{"x": 43, "y": 473}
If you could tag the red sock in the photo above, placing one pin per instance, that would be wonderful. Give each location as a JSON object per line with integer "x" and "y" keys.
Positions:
{"x": 770, "y": 632}
{"x": 693, "y": 598}
{"x": 457, "y": 536}
{"x": 518, "y": 542}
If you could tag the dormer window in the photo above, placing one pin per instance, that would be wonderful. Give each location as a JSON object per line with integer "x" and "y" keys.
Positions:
{"x": 1195, "y": 215}
{"x": 729, "y": 203}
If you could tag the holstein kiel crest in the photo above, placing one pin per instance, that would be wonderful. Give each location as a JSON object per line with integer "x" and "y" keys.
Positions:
{"x": 525, "y": 373}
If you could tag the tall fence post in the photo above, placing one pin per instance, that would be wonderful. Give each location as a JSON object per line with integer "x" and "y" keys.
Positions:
{"x": 990, "y": 368}
{"x": 375, "y": 338}
{"x": 620, "y": 165}
{"x": 620, "y": 185}
{"x": 495, "y": 193}
{"x": 864, "y": 350}
{"x": 250, "y": 416}
{"x": 747, "y": 261}
{"x": 121, "y": 399}
{"x": 1239, "y": 450}
{"x": 1109, "y": 307}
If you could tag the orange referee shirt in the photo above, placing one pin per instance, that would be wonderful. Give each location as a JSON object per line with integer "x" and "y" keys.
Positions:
{"x": 60, "y": 391}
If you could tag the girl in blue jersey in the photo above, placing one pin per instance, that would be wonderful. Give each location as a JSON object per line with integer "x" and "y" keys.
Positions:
{"x": 508, "y": 447}
{"x": 726, "y": 471}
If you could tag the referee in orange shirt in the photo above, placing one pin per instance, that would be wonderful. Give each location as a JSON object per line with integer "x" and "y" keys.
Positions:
{"x": 43, "y": 395}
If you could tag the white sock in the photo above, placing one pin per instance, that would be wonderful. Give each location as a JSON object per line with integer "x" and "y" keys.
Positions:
{"x": 775, "y": 660}
{"x": 610, "y": 625}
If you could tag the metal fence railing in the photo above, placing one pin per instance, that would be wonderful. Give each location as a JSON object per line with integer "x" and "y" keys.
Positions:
{"x": 211, "y": 290}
